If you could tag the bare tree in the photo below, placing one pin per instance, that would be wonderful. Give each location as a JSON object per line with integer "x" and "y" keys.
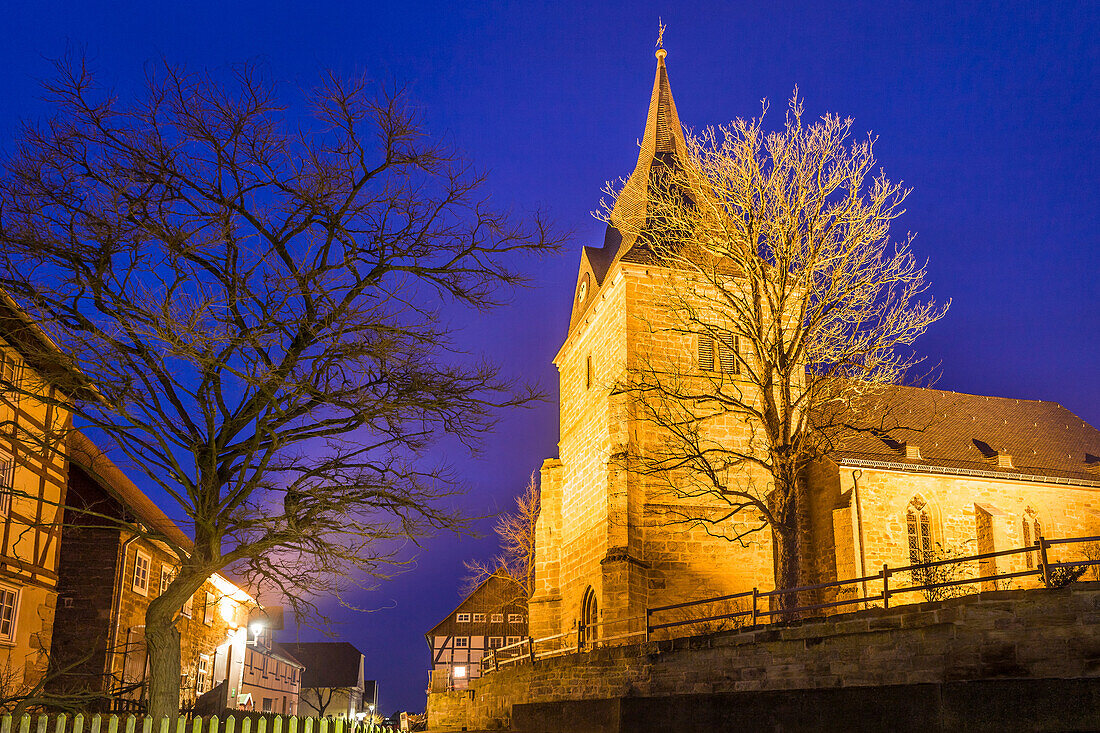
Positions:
{"x": 253, "y": 290}
{"x": 787, "y": 299}
{"x": 515, "y": 562}
{"x": 319, "y": 698}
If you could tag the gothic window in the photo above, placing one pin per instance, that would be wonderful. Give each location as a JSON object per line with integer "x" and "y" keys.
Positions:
{"x": 1033, "y": 530}
{"x": 588, "y": 629}
{"x": 918, "y": 520}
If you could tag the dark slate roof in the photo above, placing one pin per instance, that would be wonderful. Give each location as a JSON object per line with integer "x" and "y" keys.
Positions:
{"x": 327, "y": 663}
{"x": 963, "y": 433}
{"x": 493, "y": 595}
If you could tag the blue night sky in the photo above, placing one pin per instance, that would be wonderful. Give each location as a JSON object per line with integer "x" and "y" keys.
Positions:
{"x": 988, "y": 112}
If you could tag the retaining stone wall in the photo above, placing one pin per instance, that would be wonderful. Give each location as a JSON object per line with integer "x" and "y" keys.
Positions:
{"x": 1030, "y": 634}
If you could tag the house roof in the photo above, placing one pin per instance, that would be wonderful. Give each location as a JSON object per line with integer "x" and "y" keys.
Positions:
{"x": 40, "y": 351}
{"x": 955, "y": 432}
{"x": 492, "y": 595}
{"x": 328, "y": 663}
{"x": 279, "y": 651}
{"x": 95, "y": 463}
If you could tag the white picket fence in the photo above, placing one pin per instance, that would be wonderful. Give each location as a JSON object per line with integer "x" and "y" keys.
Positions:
{"x": 80, "y": 723}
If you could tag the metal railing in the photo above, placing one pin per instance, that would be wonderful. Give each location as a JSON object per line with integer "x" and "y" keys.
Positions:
{"x": 759, "y": 607}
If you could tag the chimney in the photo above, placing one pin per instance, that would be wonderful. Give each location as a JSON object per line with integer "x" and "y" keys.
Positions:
{"x": 1001, "y": 459}
{"x": 911, "y": 452}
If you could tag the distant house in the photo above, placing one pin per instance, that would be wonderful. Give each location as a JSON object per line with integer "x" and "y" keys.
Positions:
{"x": 492, "y": 616}
{"x": 333, "y": 683}
{"x": 270, "y": 676}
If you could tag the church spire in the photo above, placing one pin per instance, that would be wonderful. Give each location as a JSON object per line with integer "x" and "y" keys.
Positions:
{"x": 662, "y": 144}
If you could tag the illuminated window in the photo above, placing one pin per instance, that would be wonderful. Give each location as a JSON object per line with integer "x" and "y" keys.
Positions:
{"x": 479, "y": 618}
{"x": 201, "y": 681}
{"x": 462, "y": 642}
{"x": 460, "y": 671}
{"x": 496, "y": 642}
{"x": 515, "y": 618}
{"x": 141, "y": 573}
{"x": 208, "y": 611}
{"x": 498, "y": 618}
{"x": 9, "y": 600}
{"x": 462, "y": 618}
{"x": 7, "y": 481}
{"x": 918, "y": 520}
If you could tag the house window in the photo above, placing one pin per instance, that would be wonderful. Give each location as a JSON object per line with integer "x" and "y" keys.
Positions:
{"x": 208, "y": 611}
{"x": 511, "y": 640}
{"x": 203, "y": 675}
{"x": 462, "y": 618}
{"x": 462, "y": 642}
{"x": 460, "y": 671}
{"x": 515, "y": 618}
{"x": 9, "y": 600}
{"x": 706, "y": 354}
{"x": 496, "y": 642}
{"x": 498, "y": 618}
{"x": 165, "y": 578}
{"x": 268, "y": 704}
{"x": 479, "y": 618}
{"x": 588, "y": 372}
{"x": 11, "y": 377}
{"x": 7, "y": 481}
{"x": 141, "y": 573}
{"x": 1033, "y": 530}
{"x": 918, "y": 520}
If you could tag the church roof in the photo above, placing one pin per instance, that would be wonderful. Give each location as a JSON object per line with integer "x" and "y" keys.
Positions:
{"x": 970, "y": 435}
{"x": 662, "y": 144}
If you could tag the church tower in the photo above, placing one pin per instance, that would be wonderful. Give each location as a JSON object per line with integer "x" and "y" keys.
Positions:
{"x": 602, "y": 547}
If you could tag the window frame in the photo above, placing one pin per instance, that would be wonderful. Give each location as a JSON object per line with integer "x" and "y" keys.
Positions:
{"x": 165, "y": 572}
{"x": 7, "y": 482}
{"x": 139, "y": 556}
{"x": 478, "y": 618}
{"x": 499, "y": 642}
{"x": 462, "y": 642}
{"x": 497, "y": 618}
{"x": 462, "y": 618}
{"x": 16, "y": 596}
{"x": 510, "y": 640}
{"x": 208, "y": 609}
{"x": 515, "y": 618}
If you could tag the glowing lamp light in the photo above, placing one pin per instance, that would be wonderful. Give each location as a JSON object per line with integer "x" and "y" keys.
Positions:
{"x": 228, "y": 611}
{"x": 256, "y": 627}
{"x": 460, "y": 672}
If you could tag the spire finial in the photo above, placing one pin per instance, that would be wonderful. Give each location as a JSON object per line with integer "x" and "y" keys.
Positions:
{"x": 661, "y": 52}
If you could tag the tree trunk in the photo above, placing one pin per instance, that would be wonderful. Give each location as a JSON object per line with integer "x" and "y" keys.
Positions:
{"x": 786, "y": 564}
{"x": 162, "y": 640}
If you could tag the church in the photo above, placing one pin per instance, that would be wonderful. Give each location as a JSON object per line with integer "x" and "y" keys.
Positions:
{"x": 981, "y": 474}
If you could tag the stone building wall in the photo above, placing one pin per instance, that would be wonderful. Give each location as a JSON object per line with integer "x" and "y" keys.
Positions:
{"x": 1021, "y": 634}
{"x": 970, "y": 515}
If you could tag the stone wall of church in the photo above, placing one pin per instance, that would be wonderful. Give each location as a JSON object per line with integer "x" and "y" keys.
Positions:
{"x": 969, "y": 515}
{"x": 577, "y": 527}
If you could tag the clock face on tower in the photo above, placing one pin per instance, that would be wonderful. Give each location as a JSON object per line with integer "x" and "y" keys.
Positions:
{"x": 582, "y": 290}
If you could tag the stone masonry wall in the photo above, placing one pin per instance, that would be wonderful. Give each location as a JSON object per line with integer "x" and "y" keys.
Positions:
{"x": 1035, "y": 634}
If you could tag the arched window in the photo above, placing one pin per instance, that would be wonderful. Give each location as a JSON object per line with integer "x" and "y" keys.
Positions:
{"x": 918, "y": 518}
{"x": 588, "y": 629}
{"x": 1033, "y": 530}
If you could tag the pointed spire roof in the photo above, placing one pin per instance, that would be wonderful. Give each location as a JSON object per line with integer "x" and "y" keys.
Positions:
{"x": 662, "y": 144}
